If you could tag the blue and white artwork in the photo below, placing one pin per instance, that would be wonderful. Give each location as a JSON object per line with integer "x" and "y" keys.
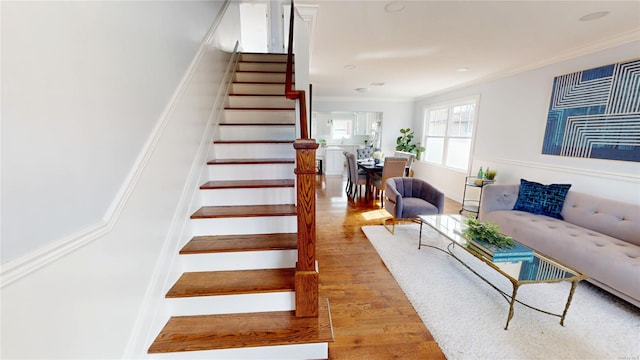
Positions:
{"x": 596, "y": 113}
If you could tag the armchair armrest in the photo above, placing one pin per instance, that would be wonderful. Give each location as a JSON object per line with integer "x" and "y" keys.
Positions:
{"x": 393, "y": 202}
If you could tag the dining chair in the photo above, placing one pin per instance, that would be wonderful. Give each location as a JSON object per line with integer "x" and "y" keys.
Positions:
{"x": 364, "y": 153}
{"x": 356, "y": 177}
{"x": 349, "y": 178}
{"x": 394, "y": 166}
{"x": 411, "y": 157}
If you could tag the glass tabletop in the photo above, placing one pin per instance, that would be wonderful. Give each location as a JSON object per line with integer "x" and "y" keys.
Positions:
{"x": 538, "y": 269}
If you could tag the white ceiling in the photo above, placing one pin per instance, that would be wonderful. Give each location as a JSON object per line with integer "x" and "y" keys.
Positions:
{"x": 417, "y": 51}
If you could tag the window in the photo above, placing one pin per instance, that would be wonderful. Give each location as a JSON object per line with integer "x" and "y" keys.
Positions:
{"x": 448, "y": 133}
{"x": 341, "y": 129}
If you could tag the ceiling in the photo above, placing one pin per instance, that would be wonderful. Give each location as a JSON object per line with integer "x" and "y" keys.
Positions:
{"x": 428, "y": 47}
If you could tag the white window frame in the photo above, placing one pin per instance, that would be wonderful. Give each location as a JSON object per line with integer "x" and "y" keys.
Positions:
{"x": 447, "y": 136}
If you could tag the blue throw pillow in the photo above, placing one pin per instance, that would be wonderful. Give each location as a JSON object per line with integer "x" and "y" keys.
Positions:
{"x": 541, "y": 199}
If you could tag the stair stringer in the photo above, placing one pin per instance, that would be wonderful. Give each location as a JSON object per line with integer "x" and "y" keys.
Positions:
{"x": 153, "y": 314}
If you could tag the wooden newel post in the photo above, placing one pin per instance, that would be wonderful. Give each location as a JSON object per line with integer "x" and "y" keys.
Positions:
{"x": 306, "y": 279}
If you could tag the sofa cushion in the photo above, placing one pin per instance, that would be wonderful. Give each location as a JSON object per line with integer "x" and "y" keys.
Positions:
{"x": 606, "y": 259}
{"x": 541, "y": 199}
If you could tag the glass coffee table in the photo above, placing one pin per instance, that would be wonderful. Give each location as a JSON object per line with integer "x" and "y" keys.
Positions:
{"x": 541, "y": 270}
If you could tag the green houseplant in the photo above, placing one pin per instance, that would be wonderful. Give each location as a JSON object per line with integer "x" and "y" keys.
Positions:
{"x": 404, "y": 143}
{"x": 488, "y": 232}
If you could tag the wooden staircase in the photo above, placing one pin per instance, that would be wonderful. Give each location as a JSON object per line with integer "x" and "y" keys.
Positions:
{"x": 236, "y": 295}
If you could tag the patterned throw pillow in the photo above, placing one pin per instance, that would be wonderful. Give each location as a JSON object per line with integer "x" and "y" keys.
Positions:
{"x": 541, "y": 199}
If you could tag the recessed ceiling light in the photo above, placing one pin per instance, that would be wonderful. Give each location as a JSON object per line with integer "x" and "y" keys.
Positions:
{"x": 594, "y": 16}
{"x": 393, "y": 7}
{"x": 462, "y": 69}
{"x": 350, "y": 67}
{"x": 362, "y": 90}
{"x": 377, "y": 83}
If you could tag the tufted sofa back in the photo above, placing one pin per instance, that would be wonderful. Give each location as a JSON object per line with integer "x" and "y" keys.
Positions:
{"x": 614, "y": 218}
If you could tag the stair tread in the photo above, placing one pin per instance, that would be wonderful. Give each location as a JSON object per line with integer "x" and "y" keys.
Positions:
{"x": 207, "y": 212}
{"x": 261, "y": 62}
{"x": 257, "y": 124}
{"x": 254, "y": 141}
{"x": 251, "y": 161}
{"x": 260, "y": 108}
{"x": 210, "y": 283}
{"x": 246, "y": 184}
{"x": 259, "y": 83}
{"x": 232, "y": 243}
{"x": 259, "y": 95}
{"x": 228, "y": 331}
{"x": 260, "y": 71}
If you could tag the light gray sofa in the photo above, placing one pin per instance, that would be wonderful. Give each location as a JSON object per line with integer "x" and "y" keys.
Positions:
{"x": 598, "y": 237}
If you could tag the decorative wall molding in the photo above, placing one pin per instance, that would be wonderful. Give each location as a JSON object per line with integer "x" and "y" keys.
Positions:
{"x": 563, "y": 169}
{"x": 24, "y": 265}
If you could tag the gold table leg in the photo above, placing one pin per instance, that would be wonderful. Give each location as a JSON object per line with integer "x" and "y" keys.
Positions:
{"x": 513, "y": 300}
{"x": 566, "y": 307}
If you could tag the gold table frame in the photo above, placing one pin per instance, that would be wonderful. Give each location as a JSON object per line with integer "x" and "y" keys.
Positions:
{"x": 451, "y": 226}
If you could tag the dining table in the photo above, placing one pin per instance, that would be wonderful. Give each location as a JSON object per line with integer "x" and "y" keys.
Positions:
{"x": 371, "y": 170}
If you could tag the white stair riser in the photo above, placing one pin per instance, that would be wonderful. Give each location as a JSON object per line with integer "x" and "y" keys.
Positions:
{"x": 244, "y": 225}
{"x": 257, "y": 132}
{"x": 267, "y": 101}
{"x": 255, "y": 57}
{"x": 254, "y": 151}
{"x": 238, "y": 260}
{"x": 261, "y": 66}
{"x": 279, "y": 352}
{"x": 260, "y": 77}
{"x": 260, "y": 116}
{"x": 251, "y": 172}
{"x": 262, "y": 89}
{"x": 231, "y": 304}
{"x": 252, "y": 196}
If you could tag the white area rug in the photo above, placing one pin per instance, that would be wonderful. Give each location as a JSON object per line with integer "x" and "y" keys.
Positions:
{"x": 467, "y": 317}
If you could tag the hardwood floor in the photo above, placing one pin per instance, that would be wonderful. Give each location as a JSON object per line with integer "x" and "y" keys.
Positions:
{"x": 372, "y": 318}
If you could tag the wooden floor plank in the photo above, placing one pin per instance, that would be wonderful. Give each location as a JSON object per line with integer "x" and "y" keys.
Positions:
{"x": 190, "y": 333}
{"x": 207, "y": 212}
{"x": 372, "y": 317}
{"x": 210, "y": 283}
{"x": 251, "y": 242}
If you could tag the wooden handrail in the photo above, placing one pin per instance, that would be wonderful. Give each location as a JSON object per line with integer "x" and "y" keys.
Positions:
{"x": 306, "y": 278}
{"x": 289, "y": 92}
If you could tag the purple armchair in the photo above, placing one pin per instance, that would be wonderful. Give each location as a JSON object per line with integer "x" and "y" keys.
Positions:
{"x": 408, "y": 197}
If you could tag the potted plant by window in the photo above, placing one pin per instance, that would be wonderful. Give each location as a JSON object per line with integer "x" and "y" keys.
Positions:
{"x": 404, "y": 143}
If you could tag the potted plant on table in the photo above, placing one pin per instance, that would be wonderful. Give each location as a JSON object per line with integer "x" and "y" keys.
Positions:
{"x": 487, "y": 232}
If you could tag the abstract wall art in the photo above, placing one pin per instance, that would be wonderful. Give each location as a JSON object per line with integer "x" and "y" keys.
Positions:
{"x": 595, "y": 113}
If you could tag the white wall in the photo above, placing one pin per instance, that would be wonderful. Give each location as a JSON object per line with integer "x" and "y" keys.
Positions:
{"x": 91, "y": 139}
{"x": 511, "y": 124}
{"x": 395, "y": 116}
{"x": 83, "y": 84}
